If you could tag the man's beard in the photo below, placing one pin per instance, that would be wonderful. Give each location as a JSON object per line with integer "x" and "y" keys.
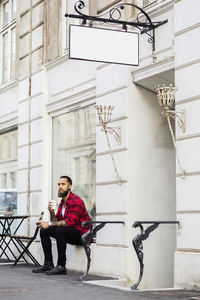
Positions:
{"x": 63, "y": 194}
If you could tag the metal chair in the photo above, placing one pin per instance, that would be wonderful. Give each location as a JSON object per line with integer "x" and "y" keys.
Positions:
{"x": 24, "y": 249}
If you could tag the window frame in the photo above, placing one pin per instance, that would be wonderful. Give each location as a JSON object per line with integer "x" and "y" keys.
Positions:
{"x": 8, "y": 167}
{"x": 54, "y": 114}
{"x": 7, "y": 29}
{"x": 114, "y": 2}
{"x": 153, "y": 2}
{"x": 68, "y": 7}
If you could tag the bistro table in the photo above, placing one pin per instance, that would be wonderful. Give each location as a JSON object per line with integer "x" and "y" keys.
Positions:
{"x": 7, "y": 230}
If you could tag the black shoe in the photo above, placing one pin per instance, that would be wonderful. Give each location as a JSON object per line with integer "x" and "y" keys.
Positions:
{"x": 58, "y": 270}
{"x": 42, "y": 269}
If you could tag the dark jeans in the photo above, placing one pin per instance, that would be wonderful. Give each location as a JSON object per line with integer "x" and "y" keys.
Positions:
{"x": 63, "y": 235}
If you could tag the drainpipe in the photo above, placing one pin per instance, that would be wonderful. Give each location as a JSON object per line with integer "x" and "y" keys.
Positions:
{"x": 29, "y": 125}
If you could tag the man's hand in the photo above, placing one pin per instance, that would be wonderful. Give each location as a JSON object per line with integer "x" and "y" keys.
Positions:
{"x": 42, "y": 224}
{"x": 50, "y": 209}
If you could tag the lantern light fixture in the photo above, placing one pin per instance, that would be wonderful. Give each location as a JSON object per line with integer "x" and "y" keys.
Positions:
{"x": 104, "y": 114}
{"x": 166, "y": 99}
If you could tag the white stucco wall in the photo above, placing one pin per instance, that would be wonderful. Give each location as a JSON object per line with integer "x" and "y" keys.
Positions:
{"x": 187, "y": 63}
{"x": 152, "y": 188}
{"x": 145, "y": 159}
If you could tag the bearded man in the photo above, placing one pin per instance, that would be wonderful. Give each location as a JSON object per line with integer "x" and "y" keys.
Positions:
{"x": 64, "y": 226}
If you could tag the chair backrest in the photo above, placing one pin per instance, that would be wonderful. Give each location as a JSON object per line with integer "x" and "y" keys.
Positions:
{"x": 37, "y": 228}
{"x": 6, "y": 213}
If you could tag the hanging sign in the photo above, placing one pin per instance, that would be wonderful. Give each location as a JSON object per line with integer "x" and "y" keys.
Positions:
{"x": 103, "y": 45}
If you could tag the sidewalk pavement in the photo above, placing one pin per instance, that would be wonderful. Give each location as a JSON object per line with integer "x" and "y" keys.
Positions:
{"x": 19, "y": 283}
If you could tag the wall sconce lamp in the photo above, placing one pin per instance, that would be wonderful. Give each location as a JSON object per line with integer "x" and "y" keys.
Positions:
{"x": 166, "y": 99}
{"x": 104, "y": 113}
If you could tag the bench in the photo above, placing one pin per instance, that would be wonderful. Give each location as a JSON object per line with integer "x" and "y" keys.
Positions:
{"x": 88, "y": 238}
{"x": 139, "y": 238}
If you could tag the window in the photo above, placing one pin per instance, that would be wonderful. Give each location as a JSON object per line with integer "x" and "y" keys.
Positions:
{"x": 13, "y": 180}
{"x": 13, "y": 9}
{"x": 74, "y": 152}
{"x": 13, "y": 52}
{"x": 5, "y": 57}
{"x": 5, "y": 148}
{"x": 87, "y": 122}
{"x": 8, "y": 146}
{"x": 147, "y": 2}
{"x": 8, "y": 170}
{"x": 8, "y": 40}
{"x": 5, "y": 13}
{"x": 68, "y": 7}
{"x": 3, "y": 180}
{"x": 105, "y": 4}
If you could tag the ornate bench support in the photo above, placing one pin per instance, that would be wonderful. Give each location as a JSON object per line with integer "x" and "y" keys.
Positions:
{"x": 139, "y": 238}
{"x": 87, "y": 240}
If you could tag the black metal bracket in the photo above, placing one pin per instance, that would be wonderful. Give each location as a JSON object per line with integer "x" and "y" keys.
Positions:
{"x": 139, "y": 238}
{"x": 114, "y": 17}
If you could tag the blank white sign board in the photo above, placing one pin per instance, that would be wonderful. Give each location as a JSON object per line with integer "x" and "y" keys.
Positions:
{"x": 104, "y": 45}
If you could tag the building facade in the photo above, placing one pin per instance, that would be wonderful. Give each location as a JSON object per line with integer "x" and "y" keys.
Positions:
{"x": 49, "y": 128}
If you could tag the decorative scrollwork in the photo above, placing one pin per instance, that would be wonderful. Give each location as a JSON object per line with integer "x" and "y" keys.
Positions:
{"x": 115, "y": 16}
{"x": 113, "y": 11}
{"x": 78, "y": 6}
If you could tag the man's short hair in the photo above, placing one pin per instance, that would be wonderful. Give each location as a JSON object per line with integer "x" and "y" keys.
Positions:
{"x": 68, "y": 179}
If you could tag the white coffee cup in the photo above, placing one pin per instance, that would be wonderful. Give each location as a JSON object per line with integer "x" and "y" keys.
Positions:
{"x": 53, "y": 204}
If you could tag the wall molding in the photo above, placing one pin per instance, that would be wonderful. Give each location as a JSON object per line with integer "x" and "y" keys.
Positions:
{"x": 186, "y": 100}
{"x": 188, "y": 250}
{"x": 8, "y": 85}
{"x": 153, "y": 69}
{"x": 112, "y": 245}
{"x": 121, "y": 213}
{"x": 188, "y": 174}
{"x": 188, "y": 212}
{"x": 72, "y": 97}
{"x": 187, "y": 64}
{"x": 100, "y": 183}
{"x": 187, "y": 29}
{"x": 9, "y": 121}
{"x": 188, "y": 136}
{"x": 113, "y": 150}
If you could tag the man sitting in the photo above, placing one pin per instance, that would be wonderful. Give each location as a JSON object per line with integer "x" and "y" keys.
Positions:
{"x": 64, "y": 226}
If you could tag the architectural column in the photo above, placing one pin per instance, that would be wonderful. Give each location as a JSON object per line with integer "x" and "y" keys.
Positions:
{"x": 30, "y": 110}
{"x": 187, "y": 74}
{"x": 112, "y": 86}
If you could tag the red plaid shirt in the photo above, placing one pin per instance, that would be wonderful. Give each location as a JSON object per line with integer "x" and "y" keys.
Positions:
{"x": 75, "y": 212}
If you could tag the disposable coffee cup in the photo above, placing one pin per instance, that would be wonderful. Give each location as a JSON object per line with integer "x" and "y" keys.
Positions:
{"x": 53, "y": 204}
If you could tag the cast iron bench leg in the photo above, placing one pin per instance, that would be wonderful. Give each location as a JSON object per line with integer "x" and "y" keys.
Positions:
{"x": 86, "y": 242}
{"x": 87, "y": 239}
{"x": 88, "y": 254}
{"x": 143, "y": 235}
{"x": 138, "y": 246}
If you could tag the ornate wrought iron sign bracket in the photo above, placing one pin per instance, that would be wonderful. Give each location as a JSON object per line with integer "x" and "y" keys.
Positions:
{"x": 139, "y": 238}
{"x": 114, "y": 17}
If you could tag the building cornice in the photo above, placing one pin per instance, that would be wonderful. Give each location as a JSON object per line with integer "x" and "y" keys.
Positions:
{"x": 151, "y": 70}
{"x": 8, "y": 85}
{"x": 57, "y": 61}
{"x": 66, "y": 100}
{"x": 9, "y": 121}
{"x": 160, "y": 8}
